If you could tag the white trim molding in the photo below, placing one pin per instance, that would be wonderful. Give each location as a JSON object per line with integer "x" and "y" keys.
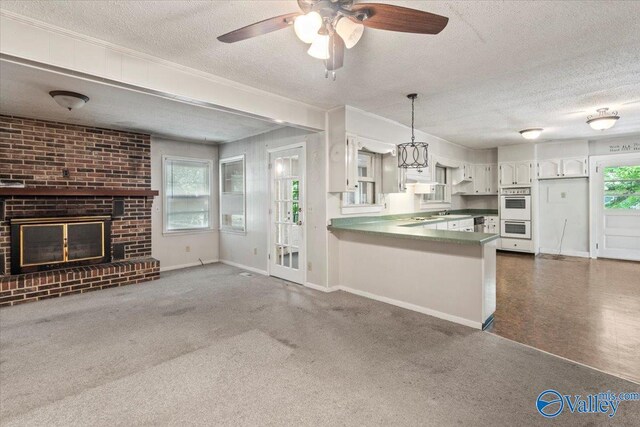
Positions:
{"x": 321, "y": 288}
{"x": 188, "y": 265}
{"x": 413, "y": 307}
{"x": 244, "y": 267}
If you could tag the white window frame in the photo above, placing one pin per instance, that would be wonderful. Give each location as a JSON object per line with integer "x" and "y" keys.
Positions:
{"x": 439, "y": 204}
{"x": 374, "y": 177}
{"x": 211, "y": 227}
{"x": 222, "y": 227}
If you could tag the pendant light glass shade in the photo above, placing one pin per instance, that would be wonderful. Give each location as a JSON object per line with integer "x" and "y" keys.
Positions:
{"x": 349, "y": 31}
{"x": 604, "y": 120}
{"x": 320, "y": 47}
{"x": 413, "y": 155}
{"x": 307, "y": 26}
{"x": 69, "y": 100}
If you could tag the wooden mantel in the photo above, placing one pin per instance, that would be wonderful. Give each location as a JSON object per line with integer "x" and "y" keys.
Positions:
{"x": 52, "y": 192}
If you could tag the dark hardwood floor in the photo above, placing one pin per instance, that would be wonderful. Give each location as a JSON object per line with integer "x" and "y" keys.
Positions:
{"x": 581, "y": 309}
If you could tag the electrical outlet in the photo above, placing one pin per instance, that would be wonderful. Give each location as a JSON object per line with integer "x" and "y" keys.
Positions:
{"x": 187, "y": 248}
{"x": 65, "y": 173}
{"x": 255, "y": 251}
{"x": 309, "y": 266}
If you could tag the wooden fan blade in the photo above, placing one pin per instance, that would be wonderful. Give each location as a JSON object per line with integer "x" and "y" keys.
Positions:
{"x": 403, "y": 19}
{"x": 259, "y": 28}
{"x": 336, "y": 53}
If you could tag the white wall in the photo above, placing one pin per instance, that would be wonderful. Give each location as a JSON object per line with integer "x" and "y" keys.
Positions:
{"x": 171, "y": 249}
{"x": 250, "y": 249}
{"x": 560, "y": 200}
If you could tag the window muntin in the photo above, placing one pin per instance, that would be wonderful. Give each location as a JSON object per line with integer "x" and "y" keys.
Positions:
{"x": 186, "y": 194}
{"x": 232, "y": 194}
{"x": 368, "y": 181}
{"x": 441, "y": 188}
{"x": 622, "y": 187}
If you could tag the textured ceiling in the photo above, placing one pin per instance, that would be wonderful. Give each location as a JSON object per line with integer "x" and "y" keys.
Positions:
{"x": 25, "y": 91}
{"x": 497, "y": 68}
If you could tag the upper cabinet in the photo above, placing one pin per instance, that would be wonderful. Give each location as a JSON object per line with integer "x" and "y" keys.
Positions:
{"x": 485, "y": 179}
{"x": 563, "y": 168}
{"x": 515, "y": 173}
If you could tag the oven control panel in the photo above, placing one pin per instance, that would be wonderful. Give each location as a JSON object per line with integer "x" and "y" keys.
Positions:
{"x": 515, "y": 191}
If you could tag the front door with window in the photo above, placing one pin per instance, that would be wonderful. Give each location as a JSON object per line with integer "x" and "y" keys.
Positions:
{"x": 287, "y": 253}
{"x": 618, "y": 215}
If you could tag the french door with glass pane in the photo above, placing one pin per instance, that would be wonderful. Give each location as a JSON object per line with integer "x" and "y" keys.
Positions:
{"x": 287, "y": 252}
{"x": 618, "y": 208}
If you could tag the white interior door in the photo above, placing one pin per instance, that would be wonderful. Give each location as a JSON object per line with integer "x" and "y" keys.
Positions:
{"x": 618, "y": 208}
{"x": 287, "y": 252}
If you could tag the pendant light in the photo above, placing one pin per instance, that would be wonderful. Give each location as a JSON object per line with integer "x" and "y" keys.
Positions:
{"x": 413, "y": 155}
{"x": 604, "y": 120}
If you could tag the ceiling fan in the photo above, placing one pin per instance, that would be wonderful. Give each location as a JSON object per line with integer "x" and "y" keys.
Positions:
{"x": 330, "y": 26}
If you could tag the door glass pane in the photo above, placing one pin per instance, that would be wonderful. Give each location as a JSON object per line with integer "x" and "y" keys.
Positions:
{"x": 622, "y": 187}
{"x": 294, "y": 166}
{"x": 294, "y": 258}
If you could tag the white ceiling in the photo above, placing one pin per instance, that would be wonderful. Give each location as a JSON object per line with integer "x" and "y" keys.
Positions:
{"x": 497, "y": 68}
{"x": 24, "y": 91}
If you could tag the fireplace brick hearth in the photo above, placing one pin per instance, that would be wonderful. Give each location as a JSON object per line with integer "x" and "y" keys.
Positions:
{"x": 36, "y": 152}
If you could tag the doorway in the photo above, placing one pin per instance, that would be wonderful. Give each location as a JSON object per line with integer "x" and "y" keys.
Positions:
{"x": 616, "y": 207}
{"x": 287, "y": 240}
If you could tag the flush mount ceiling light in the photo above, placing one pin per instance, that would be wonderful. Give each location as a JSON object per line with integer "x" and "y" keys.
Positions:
{"x": 603, "y": 120}
{"x": 532, "y": 133}
{"x": 330, "y": 26}
{"x": 413, "y": 155}
{"x": 69, "y": 100}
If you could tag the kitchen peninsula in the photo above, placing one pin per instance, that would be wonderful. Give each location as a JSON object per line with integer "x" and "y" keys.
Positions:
{"x": 416, "y": 262}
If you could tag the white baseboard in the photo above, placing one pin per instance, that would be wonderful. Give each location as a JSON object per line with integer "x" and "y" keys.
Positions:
{"x": 581, "y": 254}
{"x": 413, "y": 307}
{"x": 191, "y": 264}
{"x": 245, "y": 267}
{"x": 321, "y": 288}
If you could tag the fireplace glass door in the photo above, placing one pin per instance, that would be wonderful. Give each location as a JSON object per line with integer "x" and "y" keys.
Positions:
{"x": 85, "y": 241}
{"x": 45, "y": 243}
{"x": 50, "y": 243}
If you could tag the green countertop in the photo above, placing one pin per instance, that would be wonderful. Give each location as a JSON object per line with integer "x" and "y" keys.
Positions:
{"x": 402, "y": 226}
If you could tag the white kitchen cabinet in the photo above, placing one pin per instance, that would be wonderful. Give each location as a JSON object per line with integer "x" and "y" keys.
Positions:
{"x": 575, "y": 167}
{"x": 343, "y": 168}
{"x": 480, "y": 179}
{"x": 562, "y": 168}
{"x": 549, "y": 169}
{"x": 485, "y": 179}
{"x": 517, "y": 173}
{"x": 491, "y": 225}
{"x": 467, "y": 172}
{"x": 493, "y": 179}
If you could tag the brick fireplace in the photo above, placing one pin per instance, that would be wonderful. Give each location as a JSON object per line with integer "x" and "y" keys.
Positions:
{"x": 74, "y": 178}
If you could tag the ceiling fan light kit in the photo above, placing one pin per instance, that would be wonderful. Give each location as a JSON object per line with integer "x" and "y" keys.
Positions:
{"x": 603, "y": 120}
{"x": 307, "y": 26}
{"x": 331, "y": 25}
{"x": 320, "y": 47}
